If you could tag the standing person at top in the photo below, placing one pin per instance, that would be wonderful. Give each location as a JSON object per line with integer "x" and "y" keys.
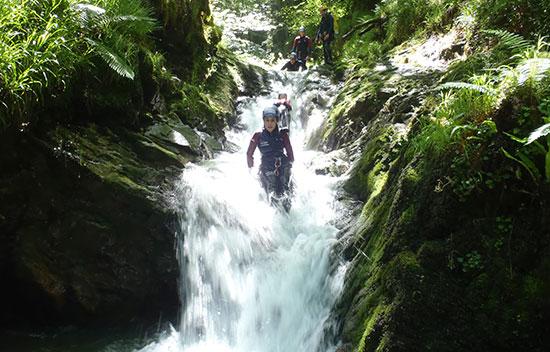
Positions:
{"x": 302, "y": 47}
{"x": 325, "y": 34}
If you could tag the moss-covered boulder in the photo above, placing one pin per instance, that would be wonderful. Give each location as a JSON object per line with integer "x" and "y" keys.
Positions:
{"x": 85, "y": 230}
{"x": 435, "y": 265}
{"x": 87, "y": 233}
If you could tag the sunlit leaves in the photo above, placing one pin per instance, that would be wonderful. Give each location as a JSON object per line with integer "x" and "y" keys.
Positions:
{"x": 43, "y": 43}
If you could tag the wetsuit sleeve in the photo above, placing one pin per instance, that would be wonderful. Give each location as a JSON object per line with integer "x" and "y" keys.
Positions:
{"x": 288, "y": 147}
{"x": 330, "y": 25}
{"x": 288, "y": 105}
{"x": 320, "y": 30}
{"x": 286, "y": 66}
{"x": 251, "y": 148}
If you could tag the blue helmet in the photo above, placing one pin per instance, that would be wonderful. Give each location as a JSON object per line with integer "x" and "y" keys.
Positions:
{"x": 270, "y": 111}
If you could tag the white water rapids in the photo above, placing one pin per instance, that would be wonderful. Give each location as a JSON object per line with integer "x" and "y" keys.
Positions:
{"x": 255, "y": 279}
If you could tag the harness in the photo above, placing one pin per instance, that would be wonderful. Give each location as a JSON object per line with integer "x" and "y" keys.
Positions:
{"x": 271, "y": 146}
{"x": 302, "y": 47}
{"x": 277, "y": 166}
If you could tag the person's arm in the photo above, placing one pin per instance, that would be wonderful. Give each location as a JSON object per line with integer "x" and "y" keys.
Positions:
{"x": 288, "y": 147}
{"x": 330, "y": 26}
{"x": 251, "y": 148}
{"x": 319, "y": 34}
{"x": 288, "y": 105}
{"x": 286, "y": 66}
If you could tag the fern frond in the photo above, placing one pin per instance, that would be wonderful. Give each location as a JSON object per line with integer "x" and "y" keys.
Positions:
{"x": 88, "y": 14}
{"x": 512, "y": 42}
{"x": 113, "y": 60}
{"x": 533, "y": 69}
{"x": 133, "y": 25}
{"x": 469, "y": 86}
{"x": 539, "y": 132}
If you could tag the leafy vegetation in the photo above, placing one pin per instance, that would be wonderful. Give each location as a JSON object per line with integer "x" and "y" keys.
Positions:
{"x": 102, "y": 60}
{"x": 467, "y": 118}
{"x": 45, "y": 44}
{"x": 464, "y": 197}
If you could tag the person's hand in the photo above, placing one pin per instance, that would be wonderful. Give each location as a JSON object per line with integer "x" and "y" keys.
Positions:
{"x": 326, "y": 37}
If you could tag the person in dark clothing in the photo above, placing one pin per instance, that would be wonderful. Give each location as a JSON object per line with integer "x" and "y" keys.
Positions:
{"x": 276, "y": 164}
{"x": 284, "y": 107}
{"x": 302, "y": 47}
{"x": 325, "y": 34}
{"x": 293, "y": 64}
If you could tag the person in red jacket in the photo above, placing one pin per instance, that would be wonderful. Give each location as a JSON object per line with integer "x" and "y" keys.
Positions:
{"x": 275, "y": 167}
{"x": 302, "y": 47}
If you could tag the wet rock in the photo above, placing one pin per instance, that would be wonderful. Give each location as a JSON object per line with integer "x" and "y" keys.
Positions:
{"x": 176, "y": 137}
{"x": 89, "y": 234}
{"x": 335, "y": 164}
{"x": 455, "y": 51}
{"x": 254, "y": 36}
{"x": 403, "y": 243}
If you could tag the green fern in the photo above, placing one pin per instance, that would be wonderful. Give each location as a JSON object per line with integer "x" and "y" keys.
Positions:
{"x": 112, "y": 59}
{"x": 511, "y": 42}
{"x": 542, "y": 131}
{"x": 467, "y": 86}
{"x": 534, "y": 69}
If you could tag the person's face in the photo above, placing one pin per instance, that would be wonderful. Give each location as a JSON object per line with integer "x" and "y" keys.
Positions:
{"x": 293, "y": 60}
{"x": 302, "y": 34}
{"x": 270, "y": 123}
{"x": 323, "y": 12}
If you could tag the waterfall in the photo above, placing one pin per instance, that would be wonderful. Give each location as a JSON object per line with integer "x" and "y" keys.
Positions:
{"x": 254, "y": 278}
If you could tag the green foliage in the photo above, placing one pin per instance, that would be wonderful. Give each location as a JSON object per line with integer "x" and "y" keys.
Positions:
{"x": 532, "y": 150}
{"x": 43, "y": 45}
{"x": 472, "y": 261}
{"x": 36, "y": 52}
{"x": 528, "y": 18}
{"x": 462, "y": 120}
{"x": 306, "y": 14}
{"x": 116, "y": 62}
{"x": 508, "y": 44}
{"x": 193, "y": 108}
{"x": 405, "y": 17}
{"x": 117, "y": 34}
{"x": 364, "y": 51}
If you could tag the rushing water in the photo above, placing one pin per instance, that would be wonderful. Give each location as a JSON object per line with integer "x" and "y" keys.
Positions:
{"x": 254, "y": 278}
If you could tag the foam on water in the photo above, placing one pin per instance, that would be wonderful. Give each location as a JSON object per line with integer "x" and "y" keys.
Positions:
{"x": 254, "y": 278}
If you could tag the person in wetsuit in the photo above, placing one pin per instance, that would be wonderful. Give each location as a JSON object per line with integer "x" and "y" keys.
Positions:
{"x": 302, "y": 47}
{"x": 275, "y": 167}
{"x": 325, "y": 34}
{"x": 285, "y": 107}
{"x": 293, "y": 64}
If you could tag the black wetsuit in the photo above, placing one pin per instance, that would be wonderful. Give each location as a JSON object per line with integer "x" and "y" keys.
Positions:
{"x": 292, "y": 66}
{"x": 326, "y": 29}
